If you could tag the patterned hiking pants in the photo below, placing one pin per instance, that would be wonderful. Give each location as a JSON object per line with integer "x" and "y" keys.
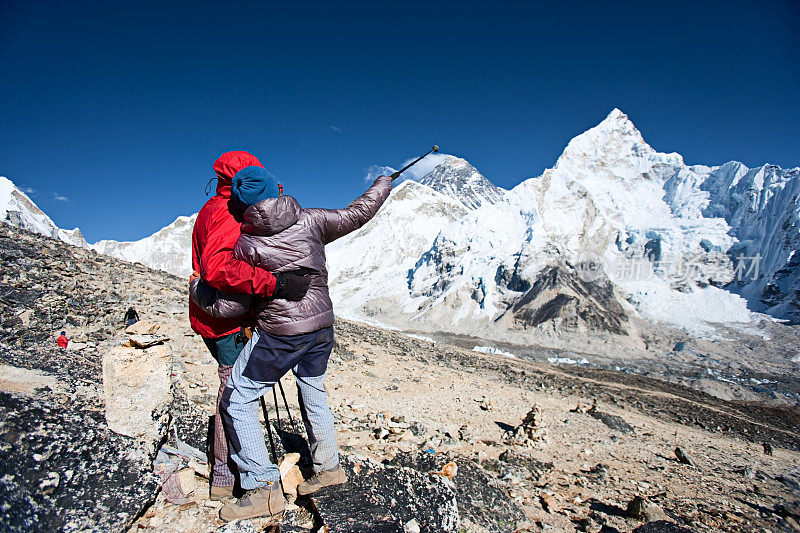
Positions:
{"x": 260, "y": 365}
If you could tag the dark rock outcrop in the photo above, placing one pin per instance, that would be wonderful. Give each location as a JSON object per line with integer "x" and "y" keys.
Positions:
{"x": 617, "y": 423}
{"x": 478, "y": 499}
{"x": 385, "y": 497}
{"x": 61, "y": 469}
{"x": 561, "y": 297}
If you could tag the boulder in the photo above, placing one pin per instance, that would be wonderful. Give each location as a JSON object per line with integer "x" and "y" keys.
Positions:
{"x": 137, "y": 385}
{"x": 477, "y": 497}
{"x": 382, "y": 497}
{"x": 643, "y": 509}
{"x": 143, "y": 327}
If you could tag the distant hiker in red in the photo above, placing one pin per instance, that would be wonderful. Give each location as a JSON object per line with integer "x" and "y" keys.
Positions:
{"x": 62, "y": 340}
{"x": 215, "y": 233}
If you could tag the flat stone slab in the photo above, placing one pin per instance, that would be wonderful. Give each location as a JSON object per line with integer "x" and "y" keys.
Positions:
{"x": 137, "y": 386}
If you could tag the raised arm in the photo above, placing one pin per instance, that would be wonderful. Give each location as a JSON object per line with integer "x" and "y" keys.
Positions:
{"x": 337, "y": 223}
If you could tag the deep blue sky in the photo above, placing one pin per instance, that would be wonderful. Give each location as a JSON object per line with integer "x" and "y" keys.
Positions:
{"x": 122, "y": 107}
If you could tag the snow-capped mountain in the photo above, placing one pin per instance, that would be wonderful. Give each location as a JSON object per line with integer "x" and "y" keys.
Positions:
{"x": 461, "y": 181}
{"x": 368, "y": 268}
{"x": 615, "y": 227}
{"x": 614, "y": 231}
{"x": 169, "y": 249}
{"x": 18, "y": 209}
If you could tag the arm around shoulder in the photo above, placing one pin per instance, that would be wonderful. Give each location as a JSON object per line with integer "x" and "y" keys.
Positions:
{"x": 217, "y": 303}
{"x": 223, "y": 271}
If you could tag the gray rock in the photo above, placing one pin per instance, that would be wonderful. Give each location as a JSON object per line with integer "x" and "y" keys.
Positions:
{"x": 643, "y": 509}
{"x": 237, "y": 526}
{"x": 478, "y": 499}
{"x": 683, "y": 457}
{"x": 384, "y": 498}
{"x": 515, "y": 457}
{"x": 662, "y": 526}
{"x": 617, "y": 423}
{"x": 94, "y": 479}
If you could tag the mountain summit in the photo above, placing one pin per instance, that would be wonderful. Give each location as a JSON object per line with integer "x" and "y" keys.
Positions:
{"x": 19, "y": 210}
{"x": 461, "y": 181}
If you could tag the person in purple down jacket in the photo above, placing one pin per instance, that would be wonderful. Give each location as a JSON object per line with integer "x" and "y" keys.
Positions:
{"x": 279, "y": 236}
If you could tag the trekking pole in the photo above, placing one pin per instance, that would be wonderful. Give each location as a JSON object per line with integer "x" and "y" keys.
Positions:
{"x": 271, "y": 442}
{"x": 294, "y": 427}
{"x": 277, "y": 412}
{"x": 414, "y": 162}
{"x": 269, "y": 430}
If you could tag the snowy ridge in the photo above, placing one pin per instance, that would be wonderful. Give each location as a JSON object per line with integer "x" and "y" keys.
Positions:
{"x": 18, "y": 209}
{"x": 169, "y": 249}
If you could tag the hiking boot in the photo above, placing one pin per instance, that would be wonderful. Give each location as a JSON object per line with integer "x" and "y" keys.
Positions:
{"x": 326, "y": 478}
{"x": 218, "y": 494}
{"x": 263, "y": 501}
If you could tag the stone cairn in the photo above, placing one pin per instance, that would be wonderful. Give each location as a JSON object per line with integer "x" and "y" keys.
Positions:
{"x": 531, "y": 433}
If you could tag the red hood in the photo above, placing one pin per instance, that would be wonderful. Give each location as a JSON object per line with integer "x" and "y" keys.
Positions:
{"x": 228, "y": 165}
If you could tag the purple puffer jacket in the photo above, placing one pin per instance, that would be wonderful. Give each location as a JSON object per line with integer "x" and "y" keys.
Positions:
{"x": 278, "y": 235}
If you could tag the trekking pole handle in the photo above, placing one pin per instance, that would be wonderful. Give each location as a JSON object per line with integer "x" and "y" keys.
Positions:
{"x": 396, "y": 175}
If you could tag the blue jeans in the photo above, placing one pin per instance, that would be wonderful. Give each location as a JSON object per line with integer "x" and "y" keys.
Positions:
{"x": 263, "y": 361}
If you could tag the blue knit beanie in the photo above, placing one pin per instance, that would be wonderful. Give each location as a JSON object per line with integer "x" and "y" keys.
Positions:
{"x": 253, "y": 184}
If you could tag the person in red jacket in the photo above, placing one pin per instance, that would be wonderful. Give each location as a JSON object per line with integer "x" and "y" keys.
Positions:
{"x": 215, "y": 232}
{"x": 62, "y": 340}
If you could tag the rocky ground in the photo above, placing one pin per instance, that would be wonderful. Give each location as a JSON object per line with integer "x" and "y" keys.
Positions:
{"x": 759, "y": 361}
{"x": 434, "y": 437}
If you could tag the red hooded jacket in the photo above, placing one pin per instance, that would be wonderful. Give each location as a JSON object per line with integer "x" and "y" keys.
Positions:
{"x": 215, "y": 233}
{"x": 62, "y": 342}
